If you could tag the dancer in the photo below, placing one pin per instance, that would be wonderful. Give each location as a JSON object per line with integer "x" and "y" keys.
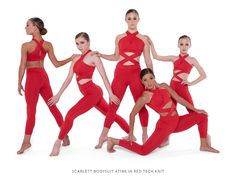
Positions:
{"x": 37, "y": 82}
{"x": 183, "y": 65}
{"x": 160, "y": 100}
{"x": 128, "y": 48}
{"x": 83, "y": 66}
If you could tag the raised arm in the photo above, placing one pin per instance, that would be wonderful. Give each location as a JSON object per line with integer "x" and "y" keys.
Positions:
{"x": 157, "y": 56}
{"x": 22, "y": 67}
{"x": 69, "y": 77}
{"x": 202, "y": 74}
{"x": 102, "y": 72}
{"x": 53, "y": 58}
{"x": 111, "y": 57}
{"x": 181, "y": 100}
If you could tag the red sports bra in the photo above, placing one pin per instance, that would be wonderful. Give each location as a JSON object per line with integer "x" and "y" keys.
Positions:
{"x": 159, "y": 99}
{"x": 182, "y": 65}
{"x": 39, "y": 53}
{"x": 130, "y": 43}
{"x": 81, "y": 69}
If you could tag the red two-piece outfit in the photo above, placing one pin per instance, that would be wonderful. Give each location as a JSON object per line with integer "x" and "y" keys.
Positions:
{"x": 181, "y": 66}
{"x": 93, "y": 97}
{"x": 37, "y": 82}
{"x": 170, "y": 123}
{"x": 128, "y": 75}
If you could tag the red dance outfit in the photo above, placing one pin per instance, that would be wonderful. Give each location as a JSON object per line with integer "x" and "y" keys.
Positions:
{"x": 128, "y": 75}
{"x": 37, "y": 82}
{"x": 167, "y": 124}
{"x": 181, "y": 66}
{"x": 93, "y": 97}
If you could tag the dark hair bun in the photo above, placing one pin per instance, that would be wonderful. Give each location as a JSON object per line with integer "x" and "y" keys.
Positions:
{"x": 43, "y": 31}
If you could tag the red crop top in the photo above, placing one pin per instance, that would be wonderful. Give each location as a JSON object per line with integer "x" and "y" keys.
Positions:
{"x": 159, "y": 99}
{"x": 182, "y": 64}
{"x": 83, "y": 70}
{"x": 131, "y": 43}
{"x": 39, "y": 53}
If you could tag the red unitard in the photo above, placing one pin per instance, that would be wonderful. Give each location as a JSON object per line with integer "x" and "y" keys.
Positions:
{"x": 181, "y": 66}
{"x": 37, "y": 82}
{"x": 93, "y": 97}
{"x": 170, "y": 123}
{"x": 128, "y": 75}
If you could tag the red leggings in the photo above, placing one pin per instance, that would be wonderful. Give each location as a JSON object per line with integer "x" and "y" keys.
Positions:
{"x": 182, "y": 91}
{"x": 164, "y": 127}
{"x": 37, "y": 82}
{"x": 126, "y": 76}
{"x": 92, "y": 98}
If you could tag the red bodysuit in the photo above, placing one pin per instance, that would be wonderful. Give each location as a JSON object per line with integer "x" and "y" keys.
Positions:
{"x": 93, "y": 97}
{"x": 181, "y": 66}
{"x": 128, "y": 75}
{"x": 170, "y": 123}
{"x": 37, "y": 82}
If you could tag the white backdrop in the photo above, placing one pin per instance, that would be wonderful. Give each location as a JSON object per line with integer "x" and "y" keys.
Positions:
{"x": 208, "y": 23}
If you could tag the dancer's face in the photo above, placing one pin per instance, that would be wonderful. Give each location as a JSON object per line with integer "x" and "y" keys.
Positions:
{"x": 132, "y": 20}
{"x": 148, "y": 81}
{"x": 184, "y": 45}
{"x": 82, "y": 44}
{"x": 30, "y": 28}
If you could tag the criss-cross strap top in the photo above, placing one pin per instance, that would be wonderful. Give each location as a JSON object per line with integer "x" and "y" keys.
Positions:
{"x": 130, "y": 43}
{"x": 181, "y": 66}
{"x": 39, "y": 53}
{"x": 83, "y": 70}
{"x": 159, "y": 101}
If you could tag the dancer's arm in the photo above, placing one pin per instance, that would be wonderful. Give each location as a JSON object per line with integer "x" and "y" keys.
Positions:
{"x": 53, "y": 100}
{"x": 181, "y": 100}
{"x": 53, "y": 58}
{"x": 146, "y": 54}
{"x": 202, "y": 74}
{"x": 137, "y": 107}
{"x": 157, "y": 56}
{"x": 22, "y": 67}
{"x": 111, "y": 57}
{"x": 102, "y": 72}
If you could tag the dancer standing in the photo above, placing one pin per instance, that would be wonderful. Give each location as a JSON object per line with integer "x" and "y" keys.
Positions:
{"x": 128, "y": 48}
{"x": 37, "y": 82}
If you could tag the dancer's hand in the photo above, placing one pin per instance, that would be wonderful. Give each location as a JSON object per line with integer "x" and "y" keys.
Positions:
{"x": 20, "y": 87}
{"x": 185, "y": 82}
{"x": 131, "y": 138}
{"x": 74, "y": 56}
{"x": 114, "y": 99}
{"x": 201, "y": 111}
{"x": 98, "y": 54}
{"x": 53, "y": 100}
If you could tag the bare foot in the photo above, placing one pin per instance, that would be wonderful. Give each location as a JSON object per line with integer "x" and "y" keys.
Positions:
{"x": 110, "y": 145}
{"x": 144, "y": 138}
{"x": 209, "y": 149}
{"x": 165, "y": 143}
{"x": 101, "y": 141}
{"x": 66, "y": 141}
{"x": 24, "y": 147}
{"x": 56, "y": 148}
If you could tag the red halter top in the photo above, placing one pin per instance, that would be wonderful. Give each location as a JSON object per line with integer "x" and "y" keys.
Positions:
{"x": 130, "y": 43}
{"x": 83, "y": 70}
{"x": 182, "y": 65}
{"x": 39, "y": 53}
{"x": 159, "y": 99}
